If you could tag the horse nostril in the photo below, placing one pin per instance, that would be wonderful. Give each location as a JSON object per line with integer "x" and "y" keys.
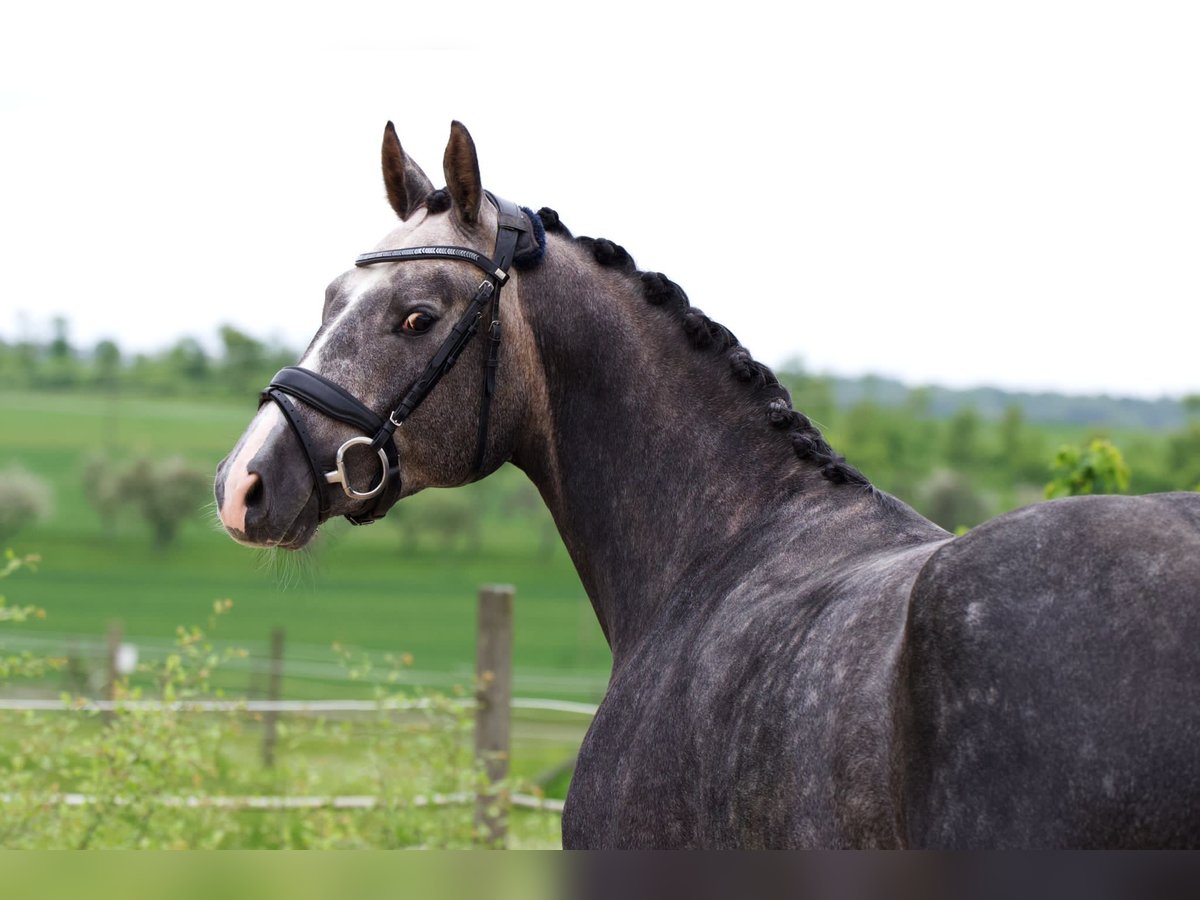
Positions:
{"x": 254, "y": 492}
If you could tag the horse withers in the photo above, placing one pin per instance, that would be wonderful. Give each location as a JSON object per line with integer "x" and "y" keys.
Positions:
{"x": 799, "y": 659}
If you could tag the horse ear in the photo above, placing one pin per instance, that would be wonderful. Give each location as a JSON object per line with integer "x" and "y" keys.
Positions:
{"x": 462, "y": 173}
{"x": 406, "y": 184}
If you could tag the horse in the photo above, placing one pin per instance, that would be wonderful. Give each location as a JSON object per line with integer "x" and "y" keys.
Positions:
{"x": 799, "y": 659}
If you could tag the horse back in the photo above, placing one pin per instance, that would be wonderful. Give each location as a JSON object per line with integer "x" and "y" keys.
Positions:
{"x": 1050, "y": 682}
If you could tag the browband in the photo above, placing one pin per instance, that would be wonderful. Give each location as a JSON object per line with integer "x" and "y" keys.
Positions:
{"x": 512, "y": 220}
{"x": 466, "y": 254}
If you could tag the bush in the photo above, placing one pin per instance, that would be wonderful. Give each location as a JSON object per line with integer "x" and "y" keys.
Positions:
{"x": 164, "y": 492}
{"x": 1097, "y": 468}
{"x": 24, "y": 500}
{"x": 948, "y": 498}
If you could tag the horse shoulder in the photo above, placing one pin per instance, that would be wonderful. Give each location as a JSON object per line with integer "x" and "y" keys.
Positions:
{"x": 765, "y": 722}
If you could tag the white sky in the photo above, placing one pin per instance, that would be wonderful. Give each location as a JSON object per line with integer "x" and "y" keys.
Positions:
{"x": 949, "y": 192}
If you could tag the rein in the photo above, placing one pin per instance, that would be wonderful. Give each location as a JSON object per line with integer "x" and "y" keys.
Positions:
{"x": 337, "y": 403}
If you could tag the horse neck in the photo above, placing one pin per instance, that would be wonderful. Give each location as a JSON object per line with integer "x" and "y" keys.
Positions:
{"x": 650, "y": 455}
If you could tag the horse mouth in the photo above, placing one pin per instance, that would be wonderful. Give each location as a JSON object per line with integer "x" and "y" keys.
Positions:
{"x": 295, "y": 535}
{"x": 293, "y": 539}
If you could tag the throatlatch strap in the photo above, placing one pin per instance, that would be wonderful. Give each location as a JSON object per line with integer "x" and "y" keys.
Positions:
{"x": 513, "y": 225}
{"x": 491, "y": 363}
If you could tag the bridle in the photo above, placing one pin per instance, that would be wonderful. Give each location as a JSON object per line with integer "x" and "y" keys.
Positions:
{"x": 513, "y": 235}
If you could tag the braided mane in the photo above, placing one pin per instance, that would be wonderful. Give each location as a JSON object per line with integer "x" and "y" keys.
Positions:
{"x": 708, "y": 336}
{"x": 712, "y": 337}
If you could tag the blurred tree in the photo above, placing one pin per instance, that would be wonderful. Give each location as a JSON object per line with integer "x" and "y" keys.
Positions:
{"x": 1096, "y": 468}
{"x": 106, "y": 360}
{"x": 244, "y": 359}
{"x": 920, "y": 447}
{"x": 1183, "y": 448}
{"x": 60, "y": 344}
{"x": 920, "y": 403}
{"x": 22, "y": 360}
{"x": 166, "y": 492}
{"x": 961, "y": 448}
{"x": 24, "y": 500}
{"x": 9, "y": 369}
{"x": 62, "y": 368}
{"x": 863, "y": 437}
{"x": 1021, "y": 450}
{"x": 187, "y": 361}
{"x": 1183, "y": 457}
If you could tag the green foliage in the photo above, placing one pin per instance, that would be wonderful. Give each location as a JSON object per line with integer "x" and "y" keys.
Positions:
{"x": 962, "y": 450}
{"x": 106, "y": 362}
{"x": 243, "y": 365}
{"x": 1097, "y": 468}
{"x": 1021, "y": 450}
{"x": 244, "y": 357}
{"x": 168, "y": 776}
{"x": 25, "y": 665}
{"x": 1183, "y": 454}
{"x": 1191, "y": 406}
{"x": 24, "y": 499}
{"x": 188, "y": 362}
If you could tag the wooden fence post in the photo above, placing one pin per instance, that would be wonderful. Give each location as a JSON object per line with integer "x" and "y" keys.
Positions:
{"x": 493, "y": 694}
{"x": 110, "y": 687}
{"x": 274, "y": 689}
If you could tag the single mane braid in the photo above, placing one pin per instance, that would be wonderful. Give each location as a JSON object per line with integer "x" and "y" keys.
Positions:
{"x": 706, "y": 335}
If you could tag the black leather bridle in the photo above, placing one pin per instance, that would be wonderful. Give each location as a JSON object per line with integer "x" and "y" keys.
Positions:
{"x": 514, "y": 231}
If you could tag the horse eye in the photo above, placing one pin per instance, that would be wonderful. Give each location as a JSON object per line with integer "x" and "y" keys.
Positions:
{"x": 417, "y": 322}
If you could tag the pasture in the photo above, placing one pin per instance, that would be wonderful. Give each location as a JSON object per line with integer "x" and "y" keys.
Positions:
{"x": 373, "y": 588}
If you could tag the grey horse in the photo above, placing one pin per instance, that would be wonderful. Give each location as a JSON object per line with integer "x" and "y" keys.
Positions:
{"x": 799, "y": 659}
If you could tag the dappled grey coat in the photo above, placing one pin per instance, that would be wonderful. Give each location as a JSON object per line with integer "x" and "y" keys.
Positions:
{"x": 799, "y": 660}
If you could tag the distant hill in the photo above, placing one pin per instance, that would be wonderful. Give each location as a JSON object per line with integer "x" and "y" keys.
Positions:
{"x": 1164, "y": 414}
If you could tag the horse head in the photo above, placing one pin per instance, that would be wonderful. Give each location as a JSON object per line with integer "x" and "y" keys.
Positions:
{"x": 415, "y": 312}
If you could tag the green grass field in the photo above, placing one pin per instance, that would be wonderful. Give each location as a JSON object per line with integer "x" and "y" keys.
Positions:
{"x": 362, "y": 587}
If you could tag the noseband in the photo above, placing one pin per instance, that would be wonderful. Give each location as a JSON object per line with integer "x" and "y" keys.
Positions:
{"x": 336, "y": 402}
